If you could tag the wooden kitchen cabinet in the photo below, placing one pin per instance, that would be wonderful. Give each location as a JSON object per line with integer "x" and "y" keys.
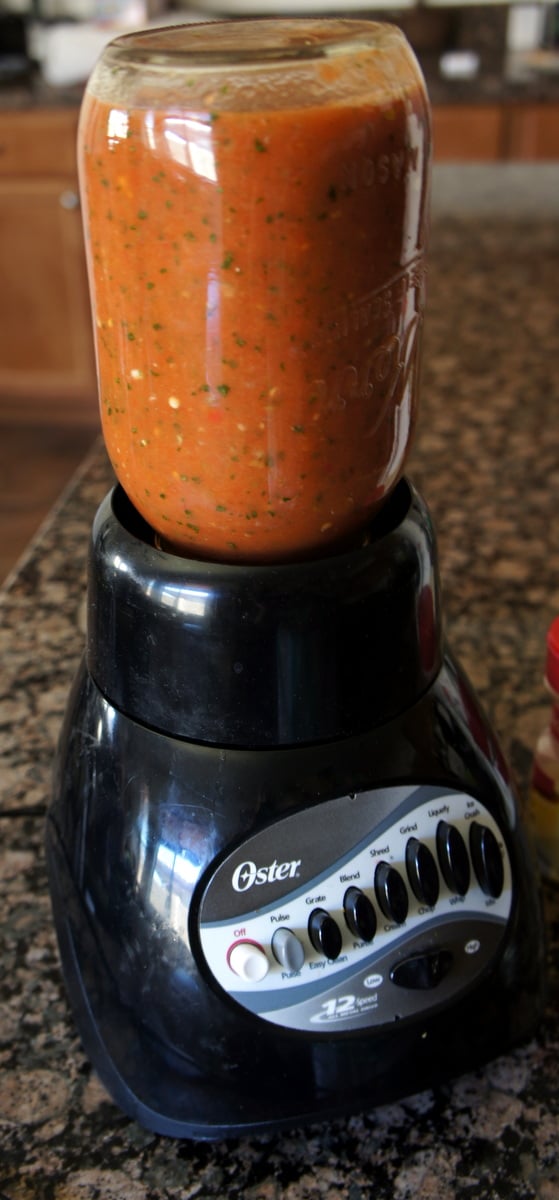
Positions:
{"x": 468, "y": 133}
{"x": 508, "y": 131}
{"x": 46, "y": 344}
{"x": 533, "y": 132}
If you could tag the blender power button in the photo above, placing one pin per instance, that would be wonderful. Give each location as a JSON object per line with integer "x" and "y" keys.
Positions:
{"x": 248, "y": 961}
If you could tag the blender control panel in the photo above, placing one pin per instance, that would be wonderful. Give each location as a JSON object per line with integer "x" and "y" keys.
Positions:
{"x": 361, "y": 910}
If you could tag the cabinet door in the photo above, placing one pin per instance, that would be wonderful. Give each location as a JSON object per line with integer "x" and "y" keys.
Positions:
{"x": 533, "y": 132}
{"x": 467, "y": 133}
{"x": 38, "y": 142}
{"x": 45, "y": 323}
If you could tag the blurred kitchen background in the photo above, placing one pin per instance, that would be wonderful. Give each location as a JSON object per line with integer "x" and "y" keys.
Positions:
{"x": 492, "y": 72}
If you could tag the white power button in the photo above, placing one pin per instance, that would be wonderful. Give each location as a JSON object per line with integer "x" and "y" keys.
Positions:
{"x": 248, "y": 961}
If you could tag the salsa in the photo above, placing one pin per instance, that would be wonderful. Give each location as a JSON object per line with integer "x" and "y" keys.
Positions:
{"x": 256, "y": 269}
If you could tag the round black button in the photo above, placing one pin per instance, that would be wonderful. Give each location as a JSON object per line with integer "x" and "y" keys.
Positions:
{"x": 391, "y": 893}
{"x": 487, "y": 859}
{"x": 453, "y": 858}
{"x": 422, "y": 872}
{"x": 360, "y": 915}
{"x": 324, "y": 933}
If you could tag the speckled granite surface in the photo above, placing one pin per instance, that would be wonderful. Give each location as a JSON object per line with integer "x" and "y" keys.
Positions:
{"x": 487, "y": 459}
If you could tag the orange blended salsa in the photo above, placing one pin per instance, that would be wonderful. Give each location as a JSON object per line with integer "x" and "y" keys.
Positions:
{"x": 255, "y": 199}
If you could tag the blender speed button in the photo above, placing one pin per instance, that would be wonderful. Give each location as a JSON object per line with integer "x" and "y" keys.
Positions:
{"x": 422, "y": 872}
{"x": 359, "y": 914}
{"x": 324, "y": 933}
{"x": 487, "y": 860}
{"x": 248, "y": 961}
{"x": 453, "y": 858}
{"x": 391, "y": 893}
{"x": 288, "y": 950}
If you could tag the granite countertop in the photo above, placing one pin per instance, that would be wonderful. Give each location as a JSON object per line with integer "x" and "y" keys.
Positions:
{"x": 487, "y": 459}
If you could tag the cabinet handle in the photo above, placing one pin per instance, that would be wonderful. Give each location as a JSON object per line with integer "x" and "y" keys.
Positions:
{"x": 69, "y": 199}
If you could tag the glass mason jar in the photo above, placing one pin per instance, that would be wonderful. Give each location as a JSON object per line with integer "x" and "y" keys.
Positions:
{"x": 255, "y": 200}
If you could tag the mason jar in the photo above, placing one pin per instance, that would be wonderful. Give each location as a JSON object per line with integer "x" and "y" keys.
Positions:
{"x": 255, "y": 198}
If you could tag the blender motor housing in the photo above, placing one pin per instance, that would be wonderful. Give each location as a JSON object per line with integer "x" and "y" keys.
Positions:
{"x": 288, "y": 875}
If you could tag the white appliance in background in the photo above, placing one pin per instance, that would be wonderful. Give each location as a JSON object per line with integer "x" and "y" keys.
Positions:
{"x": 531, "y": 43}
{"x": 526, "y": 27}
{"x": 67, "y": 51}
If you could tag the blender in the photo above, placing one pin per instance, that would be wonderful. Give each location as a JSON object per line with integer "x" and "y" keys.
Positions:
{"x": 288, "y": 875}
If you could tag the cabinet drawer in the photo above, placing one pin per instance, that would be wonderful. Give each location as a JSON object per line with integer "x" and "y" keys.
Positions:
{"x": 38, "y": 142}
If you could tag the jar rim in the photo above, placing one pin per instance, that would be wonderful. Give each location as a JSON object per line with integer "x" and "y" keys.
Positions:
{"x": 266, "y": 42}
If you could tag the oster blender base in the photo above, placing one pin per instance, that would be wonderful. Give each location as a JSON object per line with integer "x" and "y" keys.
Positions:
{"x": 288, "y": 875}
